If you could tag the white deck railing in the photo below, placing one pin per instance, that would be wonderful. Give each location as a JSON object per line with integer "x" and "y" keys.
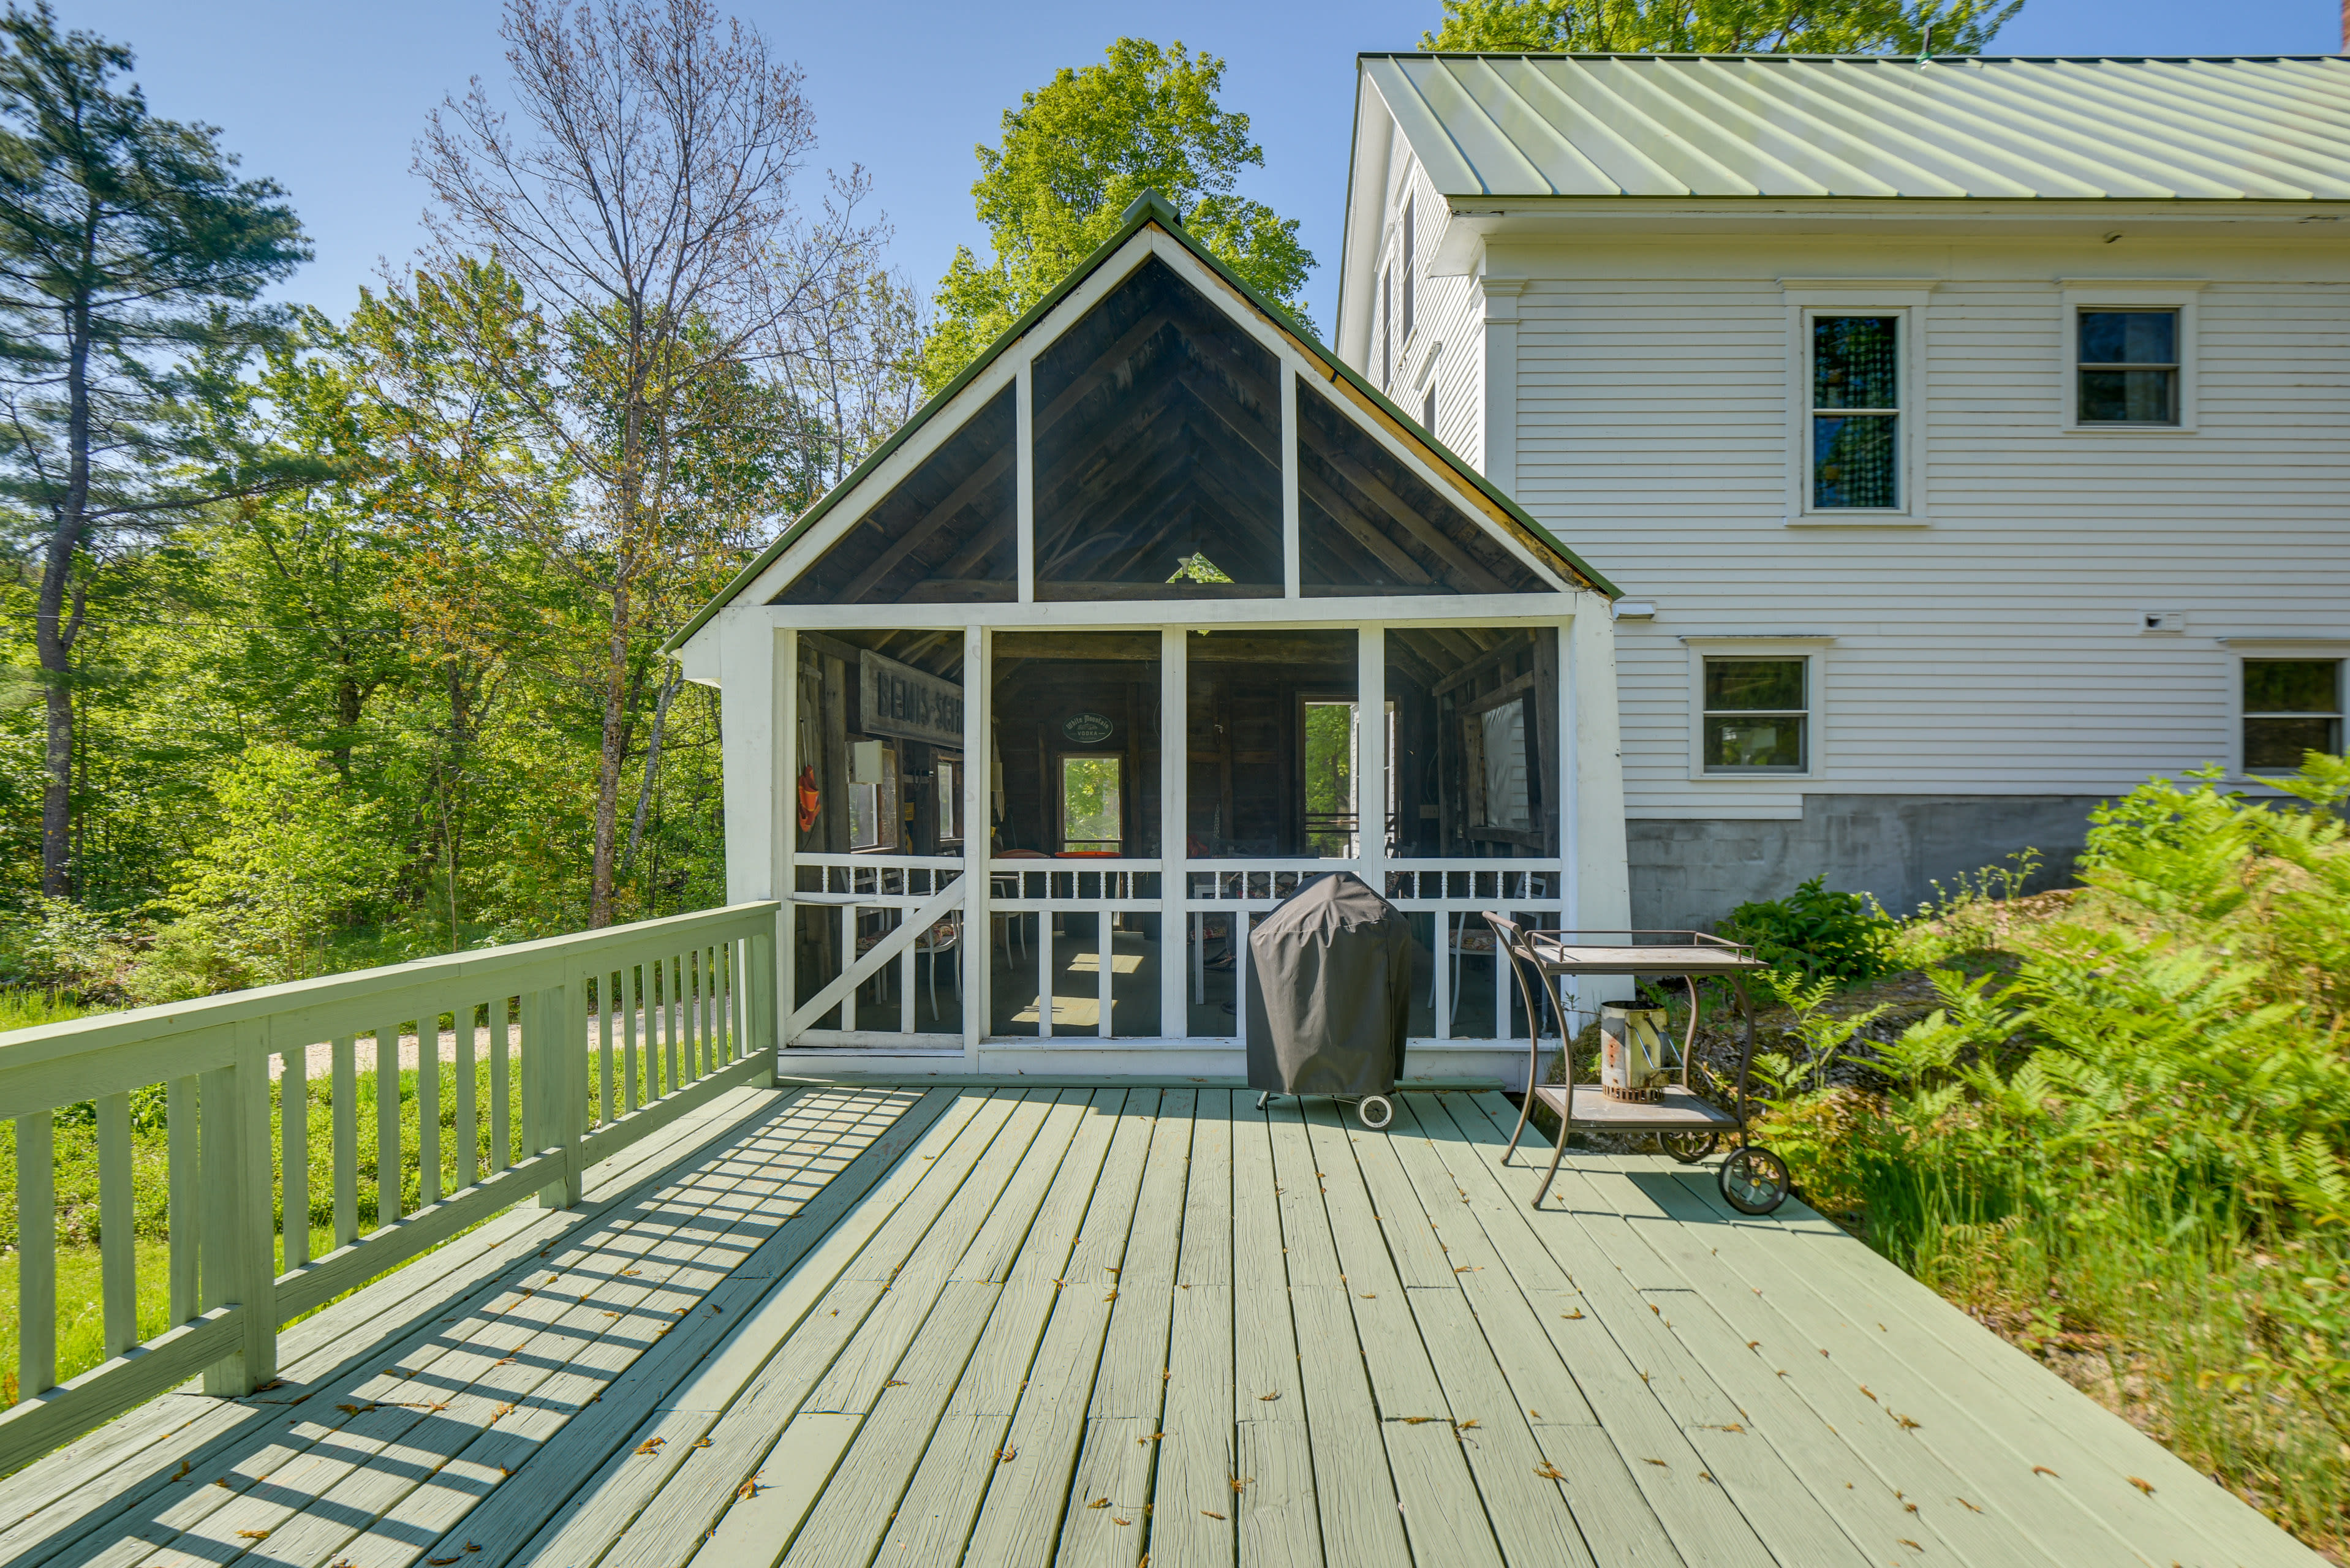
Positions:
{"x": 671, "y": 1011}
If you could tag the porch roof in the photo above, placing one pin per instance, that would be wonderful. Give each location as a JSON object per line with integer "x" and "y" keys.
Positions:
{"x": 1151, "y": 210}
{"x": 1027, "y": 1323}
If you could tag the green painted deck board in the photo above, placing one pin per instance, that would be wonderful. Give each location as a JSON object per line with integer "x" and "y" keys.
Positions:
{"x": 883, "y": 1325}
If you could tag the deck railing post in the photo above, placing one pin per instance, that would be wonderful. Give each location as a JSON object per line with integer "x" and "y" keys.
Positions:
{"x": 554, "y": 1083}
{"x": 239, "y": 1239}
{"x": 761, "y": 1033}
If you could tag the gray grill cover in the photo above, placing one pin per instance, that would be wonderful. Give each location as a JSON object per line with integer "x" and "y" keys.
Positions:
{"x": 1329, "y": 996}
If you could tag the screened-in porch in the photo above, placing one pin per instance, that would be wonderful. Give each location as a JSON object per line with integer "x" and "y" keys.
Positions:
{"x": 1157, "y": 615}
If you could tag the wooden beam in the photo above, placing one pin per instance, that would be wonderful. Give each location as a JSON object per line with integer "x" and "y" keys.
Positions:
{"x": 1129, "y": 342}
{"x": 937, "y": 517}
{"x": 1117, "y": 451}
{"x": 1364, "y": 532}
{"x": 1143, "y": 490}
{"x": 1428, "y": 533}
{"x": 1239, "y": 420}
{"x": 1481, "y": 665}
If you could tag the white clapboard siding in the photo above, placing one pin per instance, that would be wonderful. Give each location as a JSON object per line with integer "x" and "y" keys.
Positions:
{"x": 1998, "y": 649}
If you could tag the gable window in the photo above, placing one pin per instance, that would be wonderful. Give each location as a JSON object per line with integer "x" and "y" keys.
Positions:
{"x": 1856, "y": 413}
{"x": 1757, "y": 716}
{"x": 1407, "y": 270}
{"x": 2128, "y": 367}
{"x": 2290, "y": 706}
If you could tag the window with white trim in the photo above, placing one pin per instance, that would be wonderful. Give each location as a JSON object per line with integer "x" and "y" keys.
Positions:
{"x": 2128, "y": 367}
{"x": 2290, "y": 706}
{"x": 1757, "y": 713}
{"x": 1855, "y": 428}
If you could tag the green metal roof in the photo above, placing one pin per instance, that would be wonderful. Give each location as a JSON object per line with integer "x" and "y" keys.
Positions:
{"x": 1148, "y": 210}
{"x": 2242, "y": 128}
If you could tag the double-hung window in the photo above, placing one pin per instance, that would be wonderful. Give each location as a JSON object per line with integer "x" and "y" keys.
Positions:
{"x": 2128, "y": 367}
{"x": 1856, "y": 413}
{"x": 1757, "y": 716}
{"x": 2290, "y": 706}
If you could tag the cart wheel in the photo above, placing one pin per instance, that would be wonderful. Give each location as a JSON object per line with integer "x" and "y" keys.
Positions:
{"x": 1689, "y": 1147}
{"x": 1754, "y": 1180}
{"x": 1375, "y": 1111}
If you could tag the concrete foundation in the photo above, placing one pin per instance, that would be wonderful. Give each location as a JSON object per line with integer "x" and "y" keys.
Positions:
{"x": 1690, "y": 872}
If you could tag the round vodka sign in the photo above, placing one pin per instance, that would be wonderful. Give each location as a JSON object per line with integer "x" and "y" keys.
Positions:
{"x": 1087, "y": 729}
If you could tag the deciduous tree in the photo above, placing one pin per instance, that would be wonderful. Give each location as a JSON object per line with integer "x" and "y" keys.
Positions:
{"x": 645, "y": 215}
{"x": 1721, "y": 26}
{"x": 1075, "y": 154}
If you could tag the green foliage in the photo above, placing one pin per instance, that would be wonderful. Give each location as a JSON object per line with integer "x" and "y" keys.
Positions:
{"x": 1074, "y": 156}
{"x": 2139, "y": 1145}
{"x": 294, "y": 851}
{"x": 1843, "y": 938}
{"x": 52, "y": 945}
{"x": 1721, "y": 26}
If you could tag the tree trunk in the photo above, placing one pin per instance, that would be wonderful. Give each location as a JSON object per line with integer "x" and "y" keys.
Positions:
{"x": 653, "y": 771}
{"x": 610, "y": 761}
{"x": 54, "y": 631}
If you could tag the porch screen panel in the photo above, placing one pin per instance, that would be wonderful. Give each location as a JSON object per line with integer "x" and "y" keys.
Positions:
{"x": 1158, "y": 432}
{"x": 948, "y": 533}
{"x": 1366, "y": 523}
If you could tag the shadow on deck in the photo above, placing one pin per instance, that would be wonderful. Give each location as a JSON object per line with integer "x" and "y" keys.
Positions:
{"x": 1035, "y": 1324}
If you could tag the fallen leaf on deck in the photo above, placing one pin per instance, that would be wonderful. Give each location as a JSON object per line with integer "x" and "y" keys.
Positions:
{"x": 2144, "y": 1486}
{"x": 1576, "y": 1313}
{"x": 1909, "y": 1543}
{"x": 440, "y": 1562}
{"x": 253, "y": 1534}
{"x": 748, "y": 1490}
{"x": 1098, "y": 1502}
{"x": 1658, "y": 1463}
{"x": 1237, "y": 1482}
{"x": 1420, "y": 1420}
{"x": 1907, "y": 1424}
{"x": 2045, "y": 1470}
{"x": 894, "y": 1382}
{"x": 1962, "y": 1501}
{"x": 1211, "y": 1513}
{"x": 1549, "y": 1471}
{"x": 650, "y": 1444}
{"x": 1115, "y": 1520}
{"x": 1864, "y": 1388}
{"x": 701, "y": 1443}
{"x": 1005, "y": 1456}
{"x": 182, "y": 1473}
{"x": 1111, "y": 1297}
{"x": 1154, "y": 1437}
{"x": 1274, "y": 1395}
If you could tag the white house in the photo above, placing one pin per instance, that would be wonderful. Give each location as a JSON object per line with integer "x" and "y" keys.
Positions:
{"x": 1969, "y": 438}
{"x": 1031, "y": 714}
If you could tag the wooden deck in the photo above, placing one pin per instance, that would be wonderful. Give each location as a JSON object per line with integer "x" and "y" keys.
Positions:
{"x": 1023, "y": 1326}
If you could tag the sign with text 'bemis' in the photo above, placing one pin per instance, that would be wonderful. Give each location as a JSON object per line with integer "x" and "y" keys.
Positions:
{"x": 898, "y": 700}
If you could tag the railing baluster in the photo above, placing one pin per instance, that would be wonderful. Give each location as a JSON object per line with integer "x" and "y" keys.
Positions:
{"x": 628, "y": 1038}
{"x": 427, "y": 1107}
{"x": 501, "y": 1085}
{"x": 607, "y": 1019}
{"x": 118, "y": 1243}
{"x": 180, "y": 1111}
{"x": 346, "y": 1108}
{"x": 36, "y": 1256}
{"x": 294, "y": 1158}
{"x": 387, "y": 1123}
{"x": 468, "y": 1117}
{"x": 672, "y": 1018}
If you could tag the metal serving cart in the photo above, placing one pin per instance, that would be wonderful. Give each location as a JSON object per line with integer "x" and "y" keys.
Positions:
{"x": 1754, "y": 1179}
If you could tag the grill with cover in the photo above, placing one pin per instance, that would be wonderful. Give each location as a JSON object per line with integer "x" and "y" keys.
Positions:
{"x": 1329, "y": 996}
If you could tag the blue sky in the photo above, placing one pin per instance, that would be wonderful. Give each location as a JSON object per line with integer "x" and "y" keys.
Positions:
{"x": 326, "y": 96}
